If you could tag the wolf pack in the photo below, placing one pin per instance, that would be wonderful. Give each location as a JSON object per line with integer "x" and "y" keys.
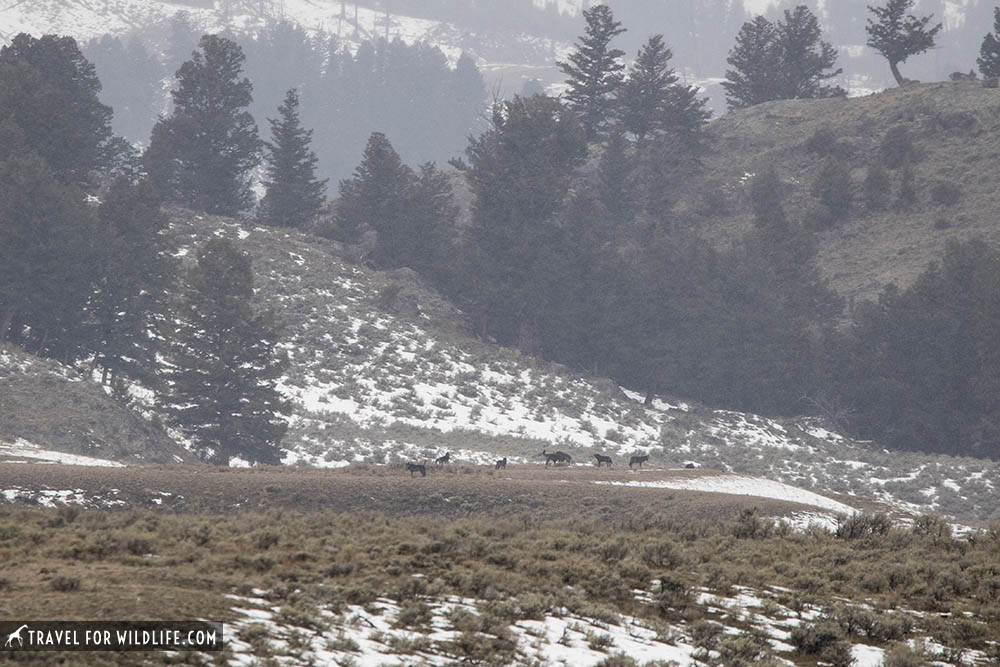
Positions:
{"x": 551, "y": 458}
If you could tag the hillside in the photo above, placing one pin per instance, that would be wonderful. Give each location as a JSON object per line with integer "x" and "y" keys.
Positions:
{"x": 953, "y": 127}
{"x": 384, "y": 371}
{"x": 49, "y": 411}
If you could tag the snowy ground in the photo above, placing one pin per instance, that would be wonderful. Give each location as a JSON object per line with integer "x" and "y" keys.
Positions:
{"x": 746, "y": 486}
{"x": 373, "y": 634}
{"x": 22, "y": 451}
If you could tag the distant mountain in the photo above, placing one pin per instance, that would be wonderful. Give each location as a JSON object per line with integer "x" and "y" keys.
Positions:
{"x": 508, "y": 57}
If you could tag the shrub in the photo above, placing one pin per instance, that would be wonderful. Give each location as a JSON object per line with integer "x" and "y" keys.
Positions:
{"x": 662, "y": 554}
{"x": 907, "y": 196}
{"x": 946, "y": 193}
{"x": 65, "y": 584}
{"x": 877, "y": 188}
{"x": 897, "y": 149}
{"x": 301, "y": 614}
{"x": 750, "y": 526}
{"x": 617, "y": 660}
{"x": 414, "y": 614}
{"x": 822, "y": 142}
{"x": 902, "y": 655}
{"x": 599, "y": 641}
{"x": 705, "y": 635}
{"x": 674, "y": 595}
{"x": 747, "y": 649}
{"x": 862, "y": 525}
{"x": 264, "y": 539}
{"x": 833, "y": 188}
{"x": 816, "y": 638}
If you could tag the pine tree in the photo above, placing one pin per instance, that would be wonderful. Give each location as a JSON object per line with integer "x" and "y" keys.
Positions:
{"x": 595, "y": 71}
{"x": 780, "y": 61}
{"x": 756, "y": 65}
{"x": 614, "y": 187}
{"x": 646, "y": 90}
{"x": 468, "y": 95}
{"x": 376, "y": 198}
{"x": 897, "y": 37}
{"x": 52, "y": 94}
{"x": 294, "y": 196}
{"x": 807, "y": 61}
{"x": 654, "y": 102}
{"x": 223, "y": 364}
{"x": 519, "y": 173}
{"x": 432, "y": 220}
{"x": 989, "y": 51}
{"x": 201, "y": 156}
{"x": 129, "y": 303}
{"x": 48, "y": 256}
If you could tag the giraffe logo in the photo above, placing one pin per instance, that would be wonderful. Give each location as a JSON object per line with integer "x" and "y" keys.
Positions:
{"x": 15, "y": 635}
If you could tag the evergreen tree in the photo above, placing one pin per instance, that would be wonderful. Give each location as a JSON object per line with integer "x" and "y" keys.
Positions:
{"x": 780, "y": 61}
{"x": 756, "y": 63}
{"x": 128, "y": 305}
{"x": 294, "y": 196}
{"x": 468, "y": 95}
{"x": 807, "y": 61}
{"x": 519, "y": 173}
{"x": 432, "y": 220}
{"x": 52, "y": 94}
{"x": 48, "y": 256}
{"x": 376, "y": 198}
{"x": 786, "y": 251}
{"x": 223, "y": 365}
{"x": 921, "y": 364}
{"x": 654, "y": 102}
{"x": 575, "y": 269}
{"x": 897, "y": 37}
{"x": 201, "y": 156}
{"x": 595, "y": 71}
{"x": 614, "y": 187}
{"x": 989, "y": 51}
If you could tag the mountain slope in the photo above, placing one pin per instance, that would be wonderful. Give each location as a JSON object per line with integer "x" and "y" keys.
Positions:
{"x": 953, "y": 127}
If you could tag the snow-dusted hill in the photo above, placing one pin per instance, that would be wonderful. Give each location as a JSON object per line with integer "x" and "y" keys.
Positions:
{"x": 505, "y": 60}
{"x": 383, "y": 371}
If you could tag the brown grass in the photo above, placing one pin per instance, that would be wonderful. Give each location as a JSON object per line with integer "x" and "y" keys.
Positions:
{"x": 523, "y": 542}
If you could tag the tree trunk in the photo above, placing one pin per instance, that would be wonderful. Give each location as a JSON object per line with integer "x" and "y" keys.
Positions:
{"x": 895, "y": 72}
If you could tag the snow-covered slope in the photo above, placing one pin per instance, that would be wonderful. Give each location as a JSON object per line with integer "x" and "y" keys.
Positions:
{"x": 383, "y": 371}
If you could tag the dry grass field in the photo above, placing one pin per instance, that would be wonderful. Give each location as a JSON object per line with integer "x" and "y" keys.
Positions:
{"x": 522, "y": 542}
{"x": 452, "y": 491}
